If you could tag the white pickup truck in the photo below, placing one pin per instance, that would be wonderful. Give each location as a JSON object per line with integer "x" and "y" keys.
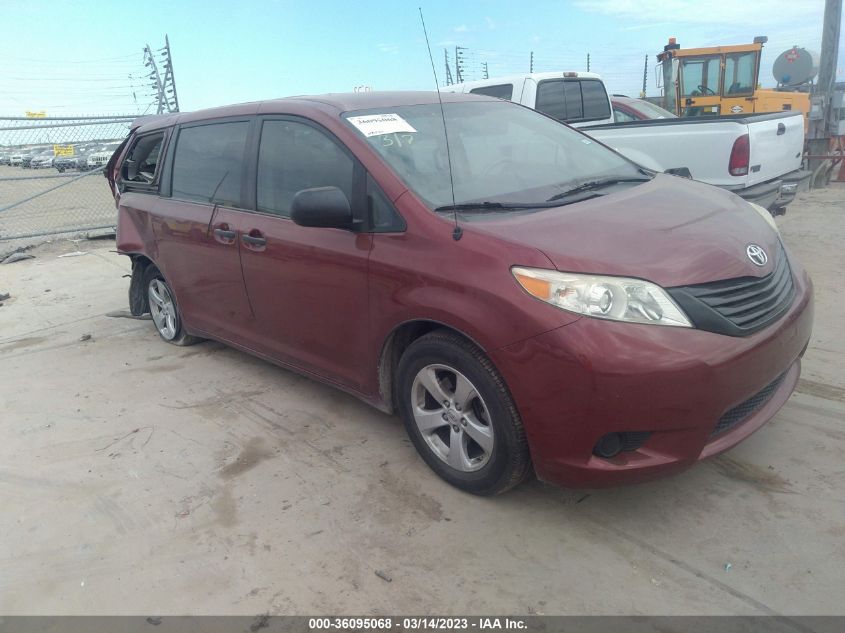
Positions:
{"x": 756, "y": 156}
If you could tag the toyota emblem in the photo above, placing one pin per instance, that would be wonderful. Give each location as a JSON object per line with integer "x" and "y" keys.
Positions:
{"x": 756, "y": 254}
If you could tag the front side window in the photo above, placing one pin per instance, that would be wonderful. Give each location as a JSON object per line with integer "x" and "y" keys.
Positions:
{"x": 208, "y": 163}
{"x": 295, "y": 156}
{"x": 701, "y": 76}
{"x": 142, "y": 161}
{"x": 501, "y": 91}
{"x": 500, "y": 153}
{"x": 739, "y": 74}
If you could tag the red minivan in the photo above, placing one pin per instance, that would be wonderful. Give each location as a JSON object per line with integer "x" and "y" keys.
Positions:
{"x": 523, "y": 296}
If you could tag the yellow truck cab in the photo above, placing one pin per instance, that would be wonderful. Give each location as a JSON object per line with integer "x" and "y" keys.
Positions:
{"x": 723, "y": 80}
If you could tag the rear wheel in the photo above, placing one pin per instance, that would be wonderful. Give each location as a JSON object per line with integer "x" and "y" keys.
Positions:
{"x": 164, "y": 310}
{"x": 460, "y": 416}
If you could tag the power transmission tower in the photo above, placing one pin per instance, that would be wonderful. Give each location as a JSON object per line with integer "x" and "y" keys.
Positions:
{"x": 645, "y": 77}
{"x": 169, "y": 82}
{"x": 459, "y": 64}
{"x": 531, "y": 64}
{"x": 166, "y": 99}
{"x": 449, "y": 81}
{"x": 484, "y": 70}
{"x": 588, "y": 62}
{"x": 821, "y": 125}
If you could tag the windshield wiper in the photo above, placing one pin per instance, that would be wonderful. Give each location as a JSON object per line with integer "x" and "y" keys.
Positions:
{"x": 595, "y": 184}
{"x": 493, "y": 207}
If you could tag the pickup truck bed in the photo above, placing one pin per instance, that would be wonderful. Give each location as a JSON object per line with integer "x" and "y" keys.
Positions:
{"x": 703, "y": 145}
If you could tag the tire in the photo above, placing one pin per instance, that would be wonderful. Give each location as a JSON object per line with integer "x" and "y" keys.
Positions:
{"x": 480, "y": 421}
{"x": 164, "y": 310}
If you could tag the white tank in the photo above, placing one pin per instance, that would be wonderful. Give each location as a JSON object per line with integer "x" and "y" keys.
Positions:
{"x": 795, "y": 67}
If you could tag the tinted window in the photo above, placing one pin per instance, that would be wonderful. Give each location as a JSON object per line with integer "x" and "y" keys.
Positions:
{"x": 383, "y": 217}
{"x": 550, "y": 99}
{"x": 208, "y": 162}
{"x": 595, "y": 100}
{"x": 502, "y": 91}
{"x": 295, "y": 156}
{"x": 572, "y": 100}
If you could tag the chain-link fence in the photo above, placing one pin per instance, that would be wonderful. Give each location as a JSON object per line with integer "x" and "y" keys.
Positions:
{"x": 51, "y": 174}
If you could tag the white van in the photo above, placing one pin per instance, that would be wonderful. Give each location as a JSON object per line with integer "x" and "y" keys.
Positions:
{"x": 578, "y": 98}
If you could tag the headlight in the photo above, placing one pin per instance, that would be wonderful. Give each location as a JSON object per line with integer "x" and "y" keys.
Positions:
{"x": 615, "y": 298}
{"x": 764, "y": 213}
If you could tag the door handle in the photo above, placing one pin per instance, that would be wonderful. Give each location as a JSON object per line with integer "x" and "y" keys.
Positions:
{"x": 225, "y": 234}
{"x": 254, "y": 240}
{"x": 781, "y": 129}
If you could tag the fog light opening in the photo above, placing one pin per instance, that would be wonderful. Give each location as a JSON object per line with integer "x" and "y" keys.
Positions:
{"x": 608, "y": 445}
{"x": 612, "y": 444}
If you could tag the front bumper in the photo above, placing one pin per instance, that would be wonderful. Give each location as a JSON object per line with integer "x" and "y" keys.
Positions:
{"x": 579, "y": 382}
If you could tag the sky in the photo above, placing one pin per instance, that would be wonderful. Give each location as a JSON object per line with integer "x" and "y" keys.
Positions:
{"x": 85, "y": 57}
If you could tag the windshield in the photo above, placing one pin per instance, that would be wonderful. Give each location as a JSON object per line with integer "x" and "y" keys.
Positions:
{"x": 500, "y": 153}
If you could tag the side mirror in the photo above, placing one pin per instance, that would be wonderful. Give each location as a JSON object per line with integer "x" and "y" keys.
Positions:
{"x": 325, "y": 207}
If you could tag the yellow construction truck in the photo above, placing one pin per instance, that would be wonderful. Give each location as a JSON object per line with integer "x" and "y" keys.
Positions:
{"x": 723, "y": 80}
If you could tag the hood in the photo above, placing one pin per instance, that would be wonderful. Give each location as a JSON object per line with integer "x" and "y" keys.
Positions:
{"x": 671, "y": 231}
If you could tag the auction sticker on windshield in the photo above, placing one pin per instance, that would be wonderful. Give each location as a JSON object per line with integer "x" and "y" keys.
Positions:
{"x": 378, "y": 124}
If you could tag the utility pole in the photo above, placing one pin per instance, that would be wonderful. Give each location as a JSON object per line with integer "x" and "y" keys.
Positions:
{"x": 484, "y": 70}
{"x": 588, "y": 62}
{"x": 459, "y": 64}
{"x": 449, "y": 81}
{"x": 531, "y": 64}
{"x": 821, "y": 110}
{"x": 645, "y": 77}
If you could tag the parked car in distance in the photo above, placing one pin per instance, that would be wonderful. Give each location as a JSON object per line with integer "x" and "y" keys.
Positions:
{"x": 43, "y": 160}
{"x": 99, "y": 158}
{"x": 6, "y": 158}
{"x": 756, "y": 156}
{"x": 79, "y": 159}
{"x": 626, "y": 109}
{"x": 546, "y": 306}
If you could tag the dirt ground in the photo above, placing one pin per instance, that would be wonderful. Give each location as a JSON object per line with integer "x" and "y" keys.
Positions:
{"x": 141, "y": 478}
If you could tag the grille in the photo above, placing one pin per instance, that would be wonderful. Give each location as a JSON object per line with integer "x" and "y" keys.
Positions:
{"x": 741, "y": 411}
{"x": 741, "y": 306}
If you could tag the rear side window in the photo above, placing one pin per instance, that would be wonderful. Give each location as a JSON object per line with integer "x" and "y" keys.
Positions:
{"x": 572, "y": 100}
{"x": 501, "y": 91}
{"x": 142, "y": 161}
{"x": 295, "y": 156}
{"x": 208, "y": 163}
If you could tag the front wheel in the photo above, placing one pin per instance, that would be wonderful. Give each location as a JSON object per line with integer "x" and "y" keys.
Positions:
{"x": 163, "y": 309}
{"x": 460, "y": 416}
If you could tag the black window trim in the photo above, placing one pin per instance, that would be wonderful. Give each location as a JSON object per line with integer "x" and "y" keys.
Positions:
{"x": 167, "y": 178}
{"x": 579, "y": 79}
{"x": 359, "y": 203}
{"x": 154, "y": 186}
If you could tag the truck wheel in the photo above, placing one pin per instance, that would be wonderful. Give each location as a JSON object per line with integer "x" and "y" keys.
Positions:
{"x": 460, "y": 416}
{"x": 164, "y": 310}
